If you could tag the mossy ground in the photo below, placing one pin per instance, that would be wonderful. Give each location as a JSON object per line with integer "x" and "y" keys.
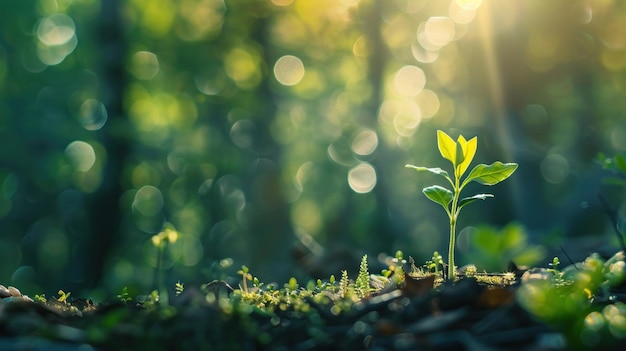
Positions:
{"x": 415, "y": 311}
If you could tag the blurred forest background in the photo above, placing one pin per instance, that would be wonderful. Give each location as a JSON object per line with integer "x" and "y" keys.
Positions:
{"x": 274, "y": 133}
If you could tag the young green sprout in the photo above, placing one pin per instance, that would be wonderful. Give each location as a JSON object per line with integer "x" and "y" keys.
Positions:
{"x": 245, "y": 276}
{"x": 461, "y": 153}
{"x": 167, "y": 236}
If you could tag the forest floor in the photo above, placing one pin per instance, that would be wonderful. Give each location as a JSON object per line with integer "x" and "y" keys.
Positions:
{"x": 461, "y": 316}
{"x": 422, "y": 313}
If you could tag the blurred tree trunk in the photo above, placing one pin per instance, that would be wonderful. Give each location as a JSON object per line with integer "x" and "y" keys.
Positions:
{"x": 372, "y": 228}
{"x": 104, "y": 211}
{"x": 271, "y": 234}
{"x": 380, "y": 234}
{"x": 383, "y": 226}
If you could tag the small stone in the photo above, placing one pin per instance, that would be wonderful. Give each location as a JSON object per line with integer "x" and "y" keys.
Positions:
{"x": 4, "y": 292}
{"x": 537, "y": 274}
{"x": 14, "y": 292}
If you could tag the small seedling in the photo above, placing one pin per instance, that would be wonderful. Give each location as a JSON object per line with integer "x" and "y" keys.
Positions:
{"x": 344, "y": 284}
{"x": 435, "y": 262}
{"x": 555, "y": 265}
{"x": 153, "y": 299}
{"x": 362, "y": 284}
{"x": 179, "y": 288}
{"x": 461, "y": 153}
{"x": 63, "y": 296}
{"x": 292, "y": 285}
{"x": 124, "y": 295}
{"x": 245, "y": 276}
{"x": 167, "y": 236}
{"x": 395, "y": 272}
{"x": 332, "y": 284}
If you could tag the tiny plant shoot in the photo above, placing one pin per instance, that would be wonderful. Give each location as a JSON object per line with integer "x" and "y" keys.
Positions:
{"x": 461, "y": 153}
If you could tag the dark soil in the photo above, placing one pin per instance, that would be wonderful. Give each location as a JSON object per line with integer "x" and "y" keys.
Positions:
{"x": 461, "y": 316}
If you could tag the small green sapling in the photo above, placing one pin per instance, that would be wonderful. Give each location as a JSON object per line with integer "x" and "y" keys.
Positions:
{"x": 461, "y": 153}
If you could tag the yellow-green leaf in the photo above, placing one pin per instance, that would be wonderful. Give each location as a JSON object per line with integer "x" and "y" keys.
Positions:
{"x": 447, "y": 147}
{"x": 490, "y": 174}
{"x": 468, "y": 148}
{"x": 460, "y": 155}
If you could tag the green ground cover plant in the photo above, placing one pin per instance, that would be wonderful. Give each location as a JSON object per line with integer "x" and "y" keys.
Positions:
{"x": 494, "y": 248}
{"x": 581, "y": 300}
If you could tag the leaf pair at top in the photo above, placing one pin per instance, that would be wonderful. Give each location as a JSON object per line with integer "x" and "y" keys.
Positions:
{"x": 461, "y": 153}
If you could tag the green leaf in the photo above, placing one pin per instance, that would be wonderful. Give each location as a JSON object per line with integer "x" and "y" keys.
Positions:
{"x": 437, "y": 170}
{"x": 439, "y": 195}
{"x": 470, "y": 199}
{"x": 447, "y": 147}
{"x": 620, "y": 163}
{"x": 490, "y": 174}
{"x": 468, "y": 149}
{"x": 460, "y": 155}
{"x": 613, "y": 181}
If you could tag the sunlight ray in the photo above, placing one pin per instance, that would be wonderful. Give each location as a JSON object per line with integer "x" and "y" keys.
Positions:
{"x": 496, "y": 96}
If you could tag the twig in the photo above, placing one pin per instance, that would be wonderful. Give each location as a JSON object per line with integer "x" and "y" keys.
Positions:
{"x": 613, "y": 217}
{"x": 569, "y": 258}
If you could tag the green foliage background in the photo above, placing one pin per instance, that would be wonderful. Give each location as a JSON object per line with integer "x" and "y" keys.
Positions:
{"x": 274, "y": 133}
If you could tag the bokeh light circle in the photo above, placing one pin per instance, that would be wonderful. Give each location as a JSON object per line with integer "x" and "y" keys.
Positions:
{"x": 148, "y": 200}
{"x": 289, "y": 70}
{"x": 362, "y": 178}
{"x": 554, "y": 168}
{"x": 439, "y": 31}
{"x": 81, "y": 155}
{"x": 468, "y": 4}
{"x": 409, "y": 80}
{"x": 144, "y": 65}
{"x": 56, "y": 29}
{"x": 92, "y": 114}
{"x": 365, "y": 142}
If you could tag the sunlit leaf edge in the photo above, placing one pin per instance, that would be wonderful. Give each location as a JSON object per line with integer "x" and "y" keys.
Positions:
{"x": 469, "y": 151}
{"x": 447, "y": 147}
{"x": 491, "y": 174}
{"x": 468, "y": 200}
{"x": 434, "y": 170}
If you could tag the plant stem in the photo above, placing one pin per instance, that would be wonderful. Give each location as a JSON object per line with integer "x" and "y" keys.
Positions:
{"x": 160, "y": 280}
{"x": 454, "y": 212}
{"x": 451, "y": 249}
